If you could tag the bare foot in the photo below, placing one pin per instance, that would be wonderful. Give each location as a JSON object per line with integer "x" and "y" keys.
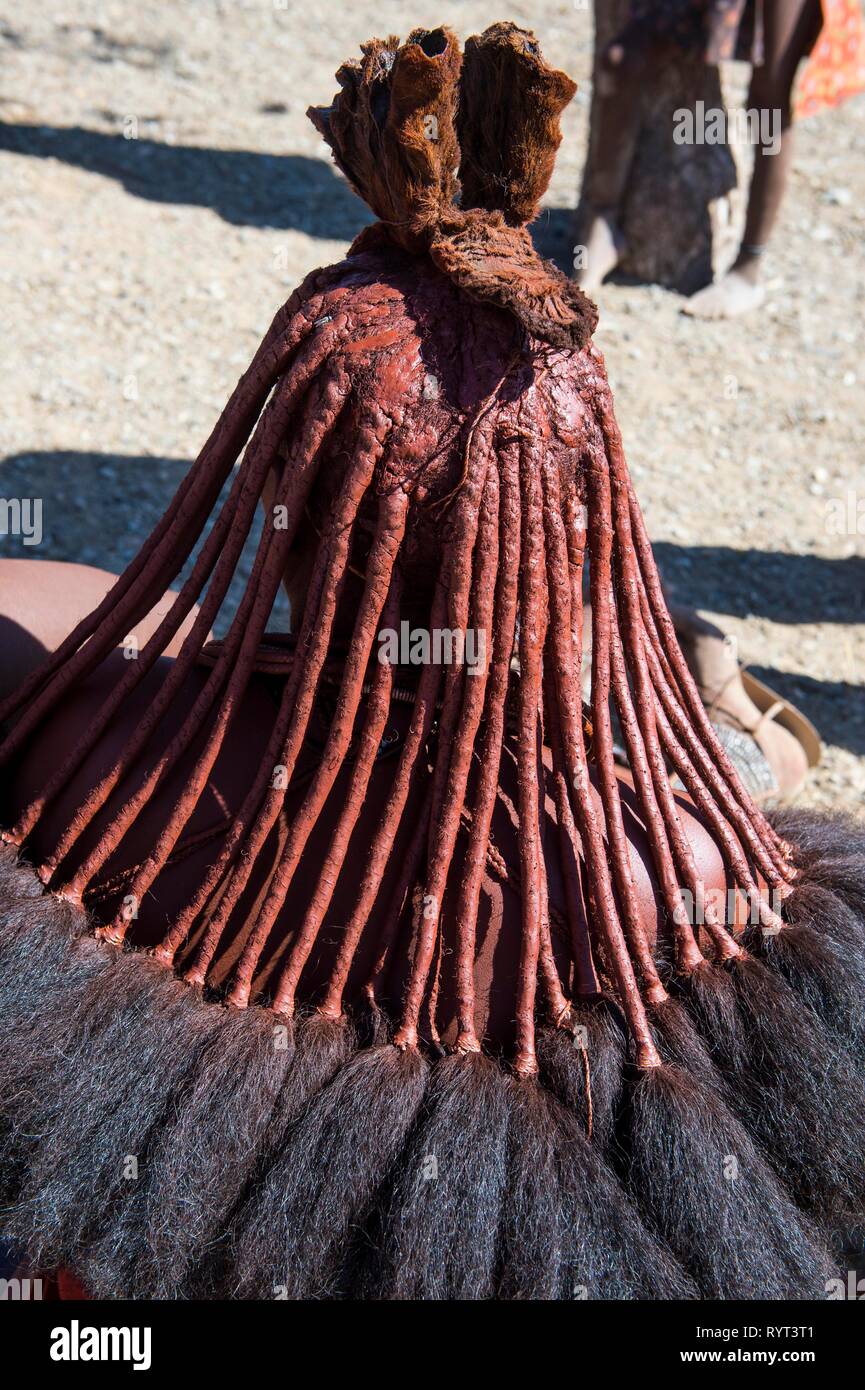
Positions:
{"x": 603, "y": 249}
{"x": 728, "y": 297}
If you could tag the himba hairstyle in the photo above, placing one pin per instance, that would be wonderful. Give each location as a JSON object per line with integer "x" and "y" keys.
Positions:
{"x": 679, "y": 1121}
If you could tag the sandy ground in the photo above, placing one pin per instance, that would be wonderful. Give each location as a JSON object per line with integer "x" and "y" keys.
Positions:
{"x": 162, "y": 192}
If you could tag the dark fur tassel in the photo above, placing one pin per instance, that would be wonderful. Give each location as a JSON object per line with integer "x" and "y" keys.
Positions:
{"x": 829, "y": 850}
{"x": 201, "y": 1163}
{"x": 321, "y": 1048}
{"x": 704, "y": 1186}
{"x": 679, "y": 1042}
{"x": 134, "y": 1043}
{"x": 34, "y": 1065}
{"x": 295, "y": 1234}
{"x": 533, "y": 1220}
{"x": 47, "y": 966}
{"x": 40, "y": 956}
{"x": 171, "y": 1238}
{"x": 436, "y": 1233}
{"x": 586, "y": 1070}
{"x": 569, "y": 1231}
{"x": 793, "y": 1091}
{"x": 820, "y": 954}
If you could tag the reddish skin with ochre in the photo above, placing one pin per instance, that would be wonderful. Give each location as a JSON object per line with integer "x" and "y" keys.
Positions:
{"x": 232, "y": 670}
{"x": 690, "y": 696}
{"x": 358, "y": 480}
{"x": 380, "y": 582}
{"x": 640, "y": 567}
{"x": 145, "y": 579}
{"x": 687, "y": 951}
{"x": 233, "y": 522}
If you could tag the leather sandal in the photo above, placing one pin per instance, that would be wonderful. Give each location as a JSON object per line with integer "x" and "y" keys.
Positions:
{"x": 771, "y": 742}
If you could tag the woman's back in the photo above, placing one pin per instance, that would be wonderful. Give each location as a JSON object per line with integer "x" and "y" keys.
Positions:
{"x": 499, "y": 914}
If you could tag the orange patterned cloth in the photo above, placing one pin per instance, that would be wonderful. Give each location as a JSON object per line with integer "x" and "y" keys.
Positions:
{"x": 729, "y": 29}
{"x": 836, "y": 67}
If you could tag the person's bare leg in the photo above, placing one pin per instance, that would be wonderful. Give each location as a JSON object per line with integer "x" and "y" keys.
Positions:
{"x": 41, "y": 601}
{"x": 617, "y": 126}
{"x": 791, "y": 27}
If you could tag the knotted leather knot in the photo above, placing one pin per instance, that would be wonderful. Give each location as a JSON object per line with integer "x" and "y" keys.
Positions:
{"x": 453, "y": 151}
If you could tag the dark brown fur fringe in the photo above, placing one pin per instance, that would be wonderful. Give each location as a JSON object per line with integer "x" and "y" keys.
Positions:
{"x": 269, "y": 1164}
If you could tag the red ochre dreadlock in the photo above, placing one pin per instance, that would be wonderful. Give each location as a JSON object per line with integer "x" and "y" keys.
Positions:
{"x": 512, "y": 474}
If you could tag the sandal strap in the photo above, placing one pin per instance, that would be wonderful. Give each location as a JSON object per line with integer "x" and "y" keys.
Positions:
{"x": 714, "y": 707}
{"x": 768, "y": 715}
